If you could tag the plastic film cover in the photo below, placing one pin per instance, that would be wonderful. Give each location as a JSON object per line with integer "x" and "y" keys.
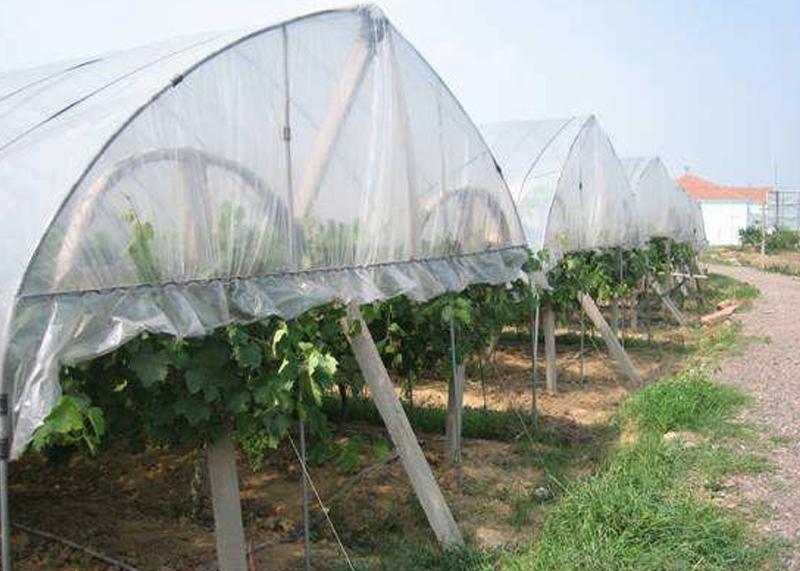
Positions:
{"x": 227, "y": 178}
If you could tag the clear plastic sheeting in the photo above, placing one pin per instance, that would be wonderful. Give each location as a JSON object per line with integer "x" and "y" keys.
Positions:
{"x": 229, "y": 177}
{"x": 569, "y": 186}
{"x": 663, "y": 208}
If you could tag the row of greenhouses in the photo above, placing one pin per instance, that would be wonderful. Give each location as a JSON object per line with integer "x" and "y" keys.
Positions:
{"x": 224, "y": 179}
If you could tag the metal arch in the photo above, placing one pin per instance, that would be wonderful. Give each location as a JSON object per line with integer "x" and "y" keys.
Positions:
{"x": 470, "y": 194}
{"x": 197, "y": 161}
{"x": 369, "y": 10}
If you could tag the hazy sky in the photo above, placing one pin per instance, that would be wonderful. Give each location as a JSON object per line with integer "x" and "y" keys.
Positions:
{"x": 712, "y": 84}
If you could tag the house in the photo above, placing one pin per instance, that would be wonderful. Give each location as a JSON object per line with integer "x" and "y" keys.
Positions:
{"x": 726, "y": 209}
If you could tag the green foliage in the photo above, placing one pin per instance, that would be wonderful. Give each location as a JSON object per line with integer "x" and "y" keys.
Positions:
{"x": 407, "y": 556}
{"x": 776, "y": 240}
{"x": 690, "y": 401}
{"x": 257, "y": 379}
{"x": 612, "y": 273}
{"x": 73, "y": 421}
{"x": 414, "y": 339}
{"x": 725, "y": 288}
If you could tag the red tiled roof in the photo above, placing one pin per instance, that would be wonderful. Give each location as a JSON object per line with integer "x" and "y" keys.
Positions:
{"x": 702, "y": 189}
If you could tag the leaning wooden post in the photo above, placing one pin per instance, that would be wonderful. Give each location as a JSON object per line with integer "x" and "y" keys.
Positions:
{"x": 228, "y": 527}
{"x": 549, "y": 326}
{"x": 668, "y": 303}
{"x": 624, "y": 363}
{"x": 382, "y": 391}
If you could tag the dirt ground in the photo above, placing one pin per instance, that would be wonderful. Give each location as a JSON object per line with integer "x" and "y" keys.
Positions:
{"x": 769, "y": 369}
{"x": 783, "y": 262}
{"x": 134, "y": 507}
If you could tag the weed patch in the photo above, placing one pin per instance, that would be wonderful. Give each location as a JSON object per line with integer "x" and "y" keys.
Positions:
{"x": 643, "y": 510}
{"x": 640, "y": 513}
{"x": 405, "y": 557}
{"x": 690, "y": 401}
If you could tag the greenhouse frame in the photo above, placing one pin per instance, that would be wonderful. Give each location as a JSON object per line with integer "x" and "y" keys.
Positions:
{"x": 226, "y": 178}
{"x": 663, "y": 208}
{"x": 569, "y": 186}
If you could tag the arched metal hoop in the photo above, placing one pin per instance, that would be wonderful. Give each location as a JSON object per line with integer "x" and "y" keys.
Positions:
{"x": 468, "y": 196}
{"x": 196, "y": 163}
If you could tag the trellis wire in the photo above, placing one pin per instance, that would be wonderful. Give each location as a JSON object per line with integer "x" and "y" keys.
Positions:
{"x": 321, "y": 504}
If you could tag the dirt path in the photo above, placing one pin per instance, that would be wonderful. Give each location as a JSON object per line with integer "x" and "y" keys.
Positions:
{"x": 770, "y": 371}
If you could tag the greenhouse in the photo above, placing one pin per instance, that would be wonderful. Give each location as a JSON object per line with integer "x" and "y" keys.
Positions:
{"x": 226, "y": 178}
{"x": 663, "y": 208}
{"x": 569, "y": 186}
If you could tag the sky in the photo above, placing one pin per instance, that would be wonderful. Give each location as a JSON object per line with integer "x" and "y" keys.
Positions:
{"x": 708, "y": 85}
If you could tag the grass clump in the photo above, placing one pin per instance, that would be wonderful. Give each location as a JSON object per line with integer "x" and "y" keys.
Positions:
{"x": 644, "y": 510}
{"x": 688, "y": 402}
{"x": 719, "y": 288}
{"x": 640, "y": 512}
{"x": 406, "y": 556}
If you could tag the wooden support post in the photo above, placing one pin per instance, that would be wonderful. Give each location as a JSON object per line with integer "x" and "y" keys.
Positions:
{"x": 455, "y": 403}
{"x": 611, "y": 340}
{"x": 670, "y": 279}
{"x": 669, "y": 304}
{"x": 228, "y": 527}
{"x": 382, "y": 391}
{"x": 615, "y": 317}
{"x": 534, "y": 326}
{"x": 583, "y": 349}
{"x": 455, "y": 412}
{"x": 549, "y": 326}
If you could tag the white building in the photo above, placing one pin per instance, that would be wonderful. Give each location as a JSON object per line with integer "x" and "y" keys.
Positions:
{"x": 726, "y": 209}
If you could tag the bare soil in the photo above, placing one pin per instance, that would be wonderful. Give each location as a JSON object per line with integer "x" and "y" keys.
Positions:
{"x": 782, "y": 262}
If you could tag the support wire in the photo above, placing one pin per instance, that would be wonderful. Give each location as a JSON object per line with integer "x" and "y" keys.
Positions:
{"x": 324, "y": 509}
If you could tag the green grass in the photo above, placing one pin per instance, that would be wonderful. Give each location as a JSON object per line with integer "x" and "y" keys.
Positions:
{"x": 505, "y": 426}
{"x": 643, "y": 510}
{"x": 690, "y": 401}
{"x": 717, "y": 288}
{"x": 405, "y": 556}
{"x": 640, "y": 512}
